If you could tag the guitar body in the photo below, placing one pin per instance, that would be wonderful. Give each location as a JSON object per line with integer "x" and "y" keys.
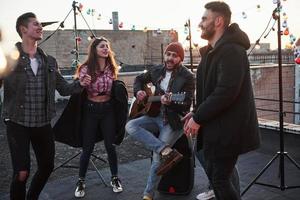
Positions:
{"x": 154, "y": 109}
{"x": 139, "y": 108}
{"x": 151, "y": 105}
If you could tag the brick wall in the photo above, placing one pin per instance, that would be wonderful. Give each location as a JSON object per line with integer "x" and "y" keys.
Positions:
{"x": 266, "y": 86}
{"x": 130, "y": 47}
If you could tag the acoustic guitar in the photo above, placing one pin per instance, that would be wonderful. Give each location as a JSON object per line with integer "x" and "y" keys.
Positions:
{"x": 151, "y": 104}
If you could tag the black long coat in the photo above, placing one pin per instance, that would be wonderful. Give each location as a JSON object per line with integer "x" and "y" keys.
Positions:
{"x": 68, "y": 128}
{"x": 225, "y": 106}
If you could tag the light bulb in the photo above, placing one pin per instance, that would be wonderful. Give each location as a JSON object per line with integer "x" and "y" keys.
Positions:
{"x": 3, "y": 61}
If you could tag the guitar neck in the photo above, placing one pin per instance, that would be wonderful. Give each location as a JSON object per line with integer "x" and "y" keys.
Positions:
{"x": 154, "y": 98}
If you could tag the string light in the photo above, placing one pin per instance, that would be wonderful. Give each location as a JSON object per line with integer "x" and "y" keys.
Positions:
{"x": 286, "y": 31}
{"x": 297, "y": 60}
{"x": 284, "y": 24}
{"x": 258, "y": 8}
{"x": 3, "y": 61}
{"x": 158, "y": 31}
{"x": 7, "y": 62}
{"x": 284, "y": 16}
{"x": 80, "y": 7}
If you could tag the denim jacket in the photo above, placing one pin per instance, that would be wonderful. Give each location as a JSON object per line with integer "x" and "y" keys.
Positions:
{"x": 15, "y": 83}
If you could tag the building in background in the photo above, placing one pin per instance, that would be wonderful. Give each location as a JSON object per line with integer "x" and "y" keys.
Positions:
{"x": 131, "y": 47}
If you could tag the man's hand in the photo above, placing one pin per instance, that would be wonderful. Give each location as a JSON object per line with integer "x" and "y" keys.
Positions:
{"x": 85, "y": 80}
{"x": 165, "y": 99}
{"x": 191, "y": 128}
{"x": 141, "y": 95}
{"x": 186, "y": 119}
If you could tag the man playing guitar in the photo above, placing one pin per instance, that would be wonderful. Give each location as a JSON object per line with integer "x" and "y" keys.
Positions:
{"x": 168, "y": 79}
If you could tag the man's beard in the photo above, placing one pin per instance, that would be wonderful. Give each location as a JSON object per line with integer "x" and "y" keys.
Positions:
{"x": 208, "y": 32}
{"x": 174, "y": 66}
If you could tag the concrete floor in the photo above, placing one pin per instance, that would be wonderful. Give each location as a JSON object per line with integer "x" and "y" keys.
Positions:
{"x": 134, "y": 174}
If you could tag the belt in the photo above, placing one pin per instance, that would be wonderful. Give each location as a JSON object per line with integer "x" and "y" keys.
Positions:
{"x": 100, "y": 99}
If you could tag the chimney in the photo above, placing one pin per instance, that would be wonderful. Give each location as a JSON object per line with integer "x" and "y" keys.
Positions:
{"x": 115, "y": 20}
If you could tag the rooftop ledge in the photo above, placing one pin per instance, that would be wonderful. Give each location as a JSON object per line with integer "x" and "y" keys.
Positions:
{"x": 274, "y": 125}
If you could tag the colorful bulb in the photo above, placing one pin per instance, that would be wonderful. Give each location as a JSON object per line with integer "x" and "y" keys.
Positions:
{"x": 297, "y": 60}
{"x": 286, "y": 31}
{"x": 284, "y": 24}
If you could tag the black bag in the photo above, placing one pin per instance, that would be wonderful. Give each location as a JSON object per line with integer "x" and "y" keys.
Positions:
{"x": 180, "y": 179}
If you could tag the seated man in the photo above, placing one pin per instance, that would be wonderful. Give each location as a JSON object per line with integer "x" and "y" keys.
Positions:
{"x": 169, "y": 79}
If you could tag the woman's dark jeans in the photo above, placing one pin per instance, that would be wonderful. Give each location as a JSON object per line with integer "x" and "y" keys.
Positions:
{"x": 98, "y": 118}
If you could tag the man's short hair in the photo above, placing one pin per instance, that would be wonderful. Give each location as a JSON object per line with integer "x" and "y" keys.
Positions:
{"x": 23, "y": 20}
{"x": 221, "y": 8}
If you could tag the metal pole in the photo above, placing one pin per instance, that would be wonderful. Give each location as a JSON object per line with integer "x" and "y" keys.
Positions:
{"x": 75, "y": 31}
{"x": 191, "y": 49}
{"x": 162, "y": 53}
{"x": 281, "y": 133}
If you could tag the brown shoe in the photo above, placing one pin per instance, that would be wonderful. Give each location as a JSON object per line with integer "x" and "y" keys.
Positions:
{"x": 168, "y": 161}
{"x": 145, "y": 197}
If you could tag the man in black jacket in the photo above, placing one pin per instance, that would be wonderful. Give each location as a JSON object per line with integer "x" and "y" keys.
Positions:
{"x": 225, "y": 114}
{"x": 173, "y": 78}
{"x": 29, "y": 106}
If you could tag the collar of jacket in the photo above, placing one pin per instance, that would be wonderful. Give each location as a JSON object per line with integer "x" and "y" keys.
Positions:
{"x": 232, "y": 34}
{"x": 22, "y": 53}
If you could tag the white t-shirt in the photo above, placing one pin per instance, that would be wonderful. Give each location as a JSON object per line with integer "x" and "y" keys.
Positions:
{"x": 165, "y": 82}
{"x": 34, "y": 65}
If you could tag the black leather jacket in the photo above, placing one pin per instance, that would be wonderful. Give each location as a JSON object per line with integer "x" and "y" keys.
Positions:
{"x": 184, "y": 81}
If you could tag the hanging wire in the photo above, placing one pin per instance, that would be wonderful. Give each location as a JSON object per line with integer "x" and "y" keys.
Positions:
{"x": 93, "y": 34}
{"x": 60, "y": 25}
{"x": 258, "y": 40}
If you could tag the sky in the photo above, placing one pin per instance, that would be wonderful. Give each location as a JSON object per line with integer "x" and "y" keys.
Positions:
{"x": 153, "y": 14}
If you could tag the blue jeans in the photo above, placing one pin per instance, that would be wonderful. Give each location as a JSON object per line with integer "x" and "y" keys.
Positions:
{"x": 235, "y": 180}
{"x": 142, "y": 129}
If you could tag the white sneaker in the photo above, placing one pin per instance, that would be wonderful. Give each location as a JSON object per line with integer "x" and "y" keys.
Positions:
{"x": 116, "y": 184}
{"x": 206, "y": 195}
{"x": 80, "y": 186}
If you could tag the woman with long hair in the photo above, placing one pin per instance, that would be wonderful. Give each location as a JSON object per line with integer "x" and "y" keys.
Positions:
{"x": 98, "y": 110}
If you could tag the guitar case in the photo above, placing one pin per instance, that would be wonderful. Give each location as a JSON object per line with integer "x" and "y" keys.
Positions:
{"x": 180, "y": 179}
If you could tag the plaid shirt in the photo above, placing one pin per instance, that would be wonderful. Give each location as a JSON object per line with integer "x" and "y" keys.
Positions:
{"x": 35, "y": 98}
{"x": 103, "y": 83}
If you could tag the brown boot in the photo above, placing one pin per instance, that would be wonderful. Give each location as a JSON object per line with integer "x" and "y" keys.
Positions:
{"x": 168, "y": 161}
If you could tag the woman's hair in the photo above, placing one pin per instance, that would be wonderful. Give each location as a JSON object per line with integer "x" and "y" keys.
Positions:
{"x": 92, "y": 59}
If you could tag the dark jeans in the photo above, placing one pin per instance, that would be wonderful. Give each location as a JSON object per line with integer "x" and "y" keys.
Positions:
{"x": 42, "y": 141}
{"x": 98, "y": 117}
{"x": 220, "y": 172}
{"x": 234, "y": 177}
